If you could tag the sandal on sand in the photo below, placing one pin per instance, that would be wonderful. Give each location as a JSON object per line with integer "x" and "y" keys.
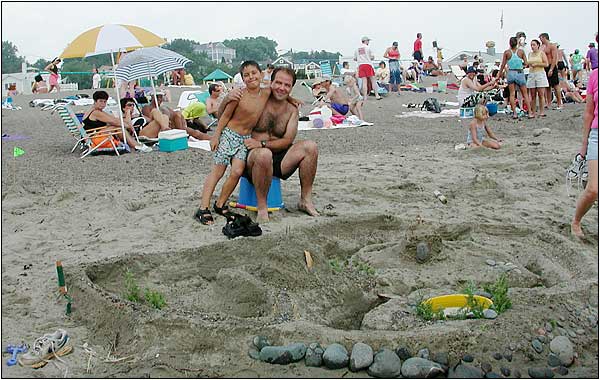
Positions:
{"x": 223, "y": 211}
{"x": 515, "y": 117}
{"x": 204, "y": 216}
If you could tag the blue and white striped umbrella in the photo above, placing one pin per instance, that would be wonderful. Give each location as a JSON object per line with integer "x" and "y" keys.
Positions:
{"x": 149, "y": 62}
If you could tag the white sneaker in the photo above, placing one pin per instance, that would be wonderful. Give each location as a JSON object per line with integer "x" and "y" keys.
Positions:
{"x": 143, "y": 148}
{"x": 45, "y": 348}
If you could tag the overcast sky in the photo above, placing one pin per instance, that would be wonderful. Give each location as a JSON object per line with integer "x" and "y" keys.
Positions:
{"x": 306, "y": 26}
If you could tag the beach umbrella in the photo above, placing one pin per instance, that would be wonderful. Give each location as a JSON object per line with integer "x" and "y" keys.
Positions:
{"x": 149, "y": 62}
{"x": 111, "y": 38}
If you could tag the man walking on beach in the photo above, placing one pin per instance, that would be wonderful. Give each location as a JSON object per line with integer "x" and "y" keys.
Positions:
{"x": 418, "y": 48}
{"x": 272, "y": 148}
{"x": 551, "y": 71}
{"x": 363, "y": 56}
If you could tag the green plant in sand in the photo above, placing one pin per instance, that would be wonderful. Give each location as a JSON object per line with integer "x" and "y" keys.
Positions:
{"x": 499, "y": 292}
{"x": 363, "y": 267}
{"x": 473, "y": 306}
{"x": 425, "y": 311}
{"x": 132, "y": 289}
{"x": 336, "y": 265}
{"x": 155, "y": 298}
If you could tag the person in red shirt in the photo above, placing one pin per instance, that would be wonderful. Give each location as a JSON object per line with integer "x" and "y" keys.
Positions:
{"x": 418, "y": 48}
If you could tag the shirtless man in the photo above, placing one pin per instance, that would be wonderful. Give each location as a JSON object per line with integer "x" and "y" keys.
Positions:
{"x": 340, "y": 103}
{"x": 552, "y": 71}
{"x": 272, "y": 148}
{"x": 213, "y": 101}
{"x": 176, "y": 119}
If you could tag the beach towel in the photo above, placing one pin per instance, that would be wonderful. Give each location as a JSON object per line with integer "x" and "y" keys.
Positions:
{"x": 430, "y": 115}
{"x": 307, "y": 125}
{"x": 199, "y": 144}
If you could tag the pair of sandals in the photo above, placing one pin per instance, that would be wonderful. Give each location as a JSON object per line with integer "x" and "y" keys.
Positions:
{"x": 205, "y": 217}
{"x": 578, "y": 171}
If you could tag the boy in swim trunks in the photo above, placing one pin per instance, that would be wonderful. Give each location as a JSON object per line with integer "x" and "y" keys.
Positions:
{"x": 340, "y": 103}
{"x": 234, "y": 127}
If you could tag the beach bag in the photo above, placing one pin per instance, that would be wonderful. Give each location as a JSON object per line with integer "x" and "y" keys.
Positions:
{"x": 105, "y": 144}
{"x": 432, "y": 105}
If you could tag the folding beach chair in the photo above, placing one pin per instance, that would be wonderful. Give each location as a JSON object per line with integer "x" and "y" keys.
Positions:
{"x": 93, "y": 140}
{"x": 458, "y": 72}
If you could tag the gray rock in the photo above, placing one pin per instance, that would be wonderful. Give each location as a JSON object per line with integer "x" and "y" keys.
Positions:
{"x": 490, "y": 262}
{"x": 561, "y": 331}
{"x": 465, "y": 371}
{"x": 468, "y": 358}
{"x": 540, "y": 373}
{"x": 386, "y": 364}
{"x": 253, "y": 353}
{"x": 483, "y": 294}
{"x": 562, "y": 370}
{"x": 403, "y": 353}
{"x": 283, "y": 354}
{"x": 486, "y": 367}
{"x": 419, "y": 368}
{"x": 335, "y": 356}
{"x": 537, "y": 346}
{"x": 517, "y": 374}
{"x": 553, "y": 360}
{"x": 261, "y": 341}
{"x": 579, "y": 332}
{"x": 542, "y": 338}
{"x": 512, "y": 346}
{"x": 563, "y": 348}
{"x": 507, "y": 355}
{"x": 314, "y": 355}
{"x": 492, "y": 375}
{"x": 548, "y": 327}
{"x": 572, "y": 333}
{"x": 361, "y": 357}
{"x": 490, "y": 314}
{"x": 423, "y": 252}
{"x": 423, "y": 353}
{"x": 505, "y": 371}
{"x": 497, "y": 356}
{"x": 441, "y": 358}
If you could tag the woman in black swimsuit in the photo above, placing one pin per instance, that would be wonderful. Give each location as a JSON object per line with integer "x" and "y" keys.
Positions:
{"x": 97, "y": 118}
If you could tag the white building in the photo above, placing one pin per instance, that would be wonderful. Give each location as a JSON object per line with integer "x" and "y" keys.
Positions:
{"x": 216, "y": 51}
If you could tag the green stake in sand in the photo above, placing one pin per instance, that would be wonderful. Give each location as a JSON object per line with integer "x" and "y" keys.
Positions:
{"x": 61, "y": 278}
{"x": 18, "y": 152}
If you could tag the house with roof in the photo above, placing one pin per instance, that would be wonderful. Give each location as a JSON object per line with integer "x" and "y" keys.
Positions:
{"x": 283, "y": 61}
{"x": 216, "y": 51}
{"x": 489, "y": 56}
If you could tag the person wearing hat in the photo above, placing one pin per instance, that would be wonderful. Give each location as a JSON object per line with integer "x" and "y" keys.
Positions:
{"x": 576, "y": 64}
{"x": 393, "y": 55}
{"x": 469, "y": 84}
{"x": 591, "y": 57}
{"x": 363, "y": 56}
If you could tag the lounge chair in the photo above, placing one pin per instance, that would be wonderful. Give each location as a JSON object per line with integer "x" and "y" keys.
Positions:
{"x": 458, "y": 72}
{"x": 96, "y": 140}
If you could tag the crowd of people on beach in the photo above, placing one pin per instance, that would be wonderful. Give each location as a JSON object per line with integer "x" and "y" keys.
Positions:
{"x": 257, "y": 119}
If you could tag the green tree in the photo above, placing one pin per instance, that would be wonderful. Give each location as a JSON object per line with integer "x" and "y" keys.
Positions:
{"x": 11, "y": 62}
{"x": 259, "y": 49}
{"x": 78, "y": 65}
{"x": 40, "y": 64}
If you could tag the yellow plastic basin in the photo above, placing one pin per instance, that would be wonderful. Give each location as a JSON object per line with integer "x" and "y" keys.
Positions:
{"x": 456, "y": 300}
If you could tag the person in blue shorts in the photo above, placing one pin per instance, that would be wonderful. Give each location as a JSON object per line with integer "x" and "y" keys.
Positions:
{"x": 340, "y": 102}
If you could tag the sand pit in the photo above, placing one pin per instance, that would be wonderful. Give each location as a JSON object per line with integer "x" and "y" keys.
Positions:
{"x": 104, "y": 215}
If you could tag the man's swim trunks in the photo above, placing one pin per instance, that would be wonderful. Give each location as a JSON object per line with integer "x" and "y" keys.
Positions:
{"x": 340, "y": 108}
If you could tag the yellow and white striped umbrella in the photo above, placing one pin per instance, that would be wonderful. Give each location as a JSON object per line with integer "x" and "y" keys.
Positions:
{"x": 111, "y": 38}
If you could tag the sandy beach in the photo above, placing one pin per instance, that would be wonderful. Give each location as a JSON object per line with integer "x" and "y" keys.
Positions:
{"x": 104, "y": 215}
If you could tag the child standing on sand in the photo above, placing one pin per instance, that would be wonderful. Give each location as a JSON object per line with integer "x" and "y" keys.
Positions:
{"x": 478, "y": 129}
{"x": 234, "y": 127}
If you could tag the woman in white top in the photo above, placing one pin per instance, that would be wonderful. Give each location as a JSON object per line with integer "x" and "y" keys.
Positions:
{"x": 468, "y": 85}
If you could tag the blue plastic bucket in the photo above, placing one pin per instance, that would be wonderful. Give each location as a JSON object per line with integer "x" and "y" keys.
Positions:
{"x": 79, "y": 117}
{"x": 492, "y": 108}
{"x": 247, "y": 195}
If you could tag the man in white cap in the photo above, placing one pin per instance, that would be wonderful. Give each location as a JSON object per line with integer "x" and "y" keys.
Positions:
{"x": 363, "y": 56}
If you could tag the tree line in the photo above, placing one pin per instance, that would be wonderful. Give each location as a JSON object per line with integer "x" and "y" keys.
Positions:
{"x": 260, "y": 49}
